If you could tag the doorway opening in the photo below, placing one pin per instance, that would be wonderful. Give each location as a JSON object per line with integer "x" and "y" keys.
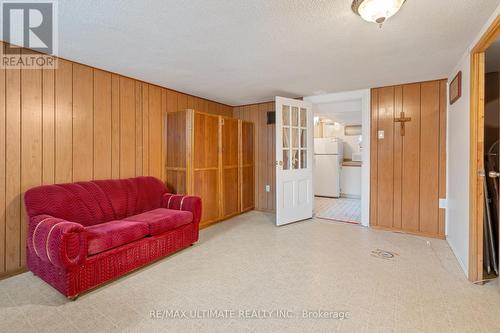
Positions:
{"x": 341, "y": 156}
{"x": 484, "y": 157}
{"x": 338, "y": 146}
{"x": 491, "y": 160}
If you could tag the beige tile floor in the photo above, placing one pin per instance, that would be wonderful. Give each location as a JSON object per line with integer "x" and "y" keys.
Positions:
{"x": 247, "y": 263}
{"x": 339, "y": 210}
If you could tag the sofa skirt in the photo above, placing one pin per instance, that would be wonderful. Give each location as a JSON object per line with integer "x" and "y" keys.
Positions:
{"x": 109, "y": 265}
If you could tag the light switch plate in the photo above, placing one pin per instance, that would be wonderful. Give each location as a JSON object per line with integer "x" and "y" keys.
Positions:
{"x": 381, "y": 135}
{"x": 268, "y": 188}
{"x": 443, "y": 203}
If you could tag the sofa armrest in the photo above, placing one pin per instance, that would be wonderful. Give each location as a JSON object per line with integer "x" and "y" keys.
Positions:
{"x": 60, "y": 242}
{"x": 188, "y": 203}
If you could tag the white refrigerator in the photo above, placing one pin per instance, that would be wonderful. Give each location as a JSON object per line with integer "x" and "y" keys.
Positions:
{"x": 328, "y": 156}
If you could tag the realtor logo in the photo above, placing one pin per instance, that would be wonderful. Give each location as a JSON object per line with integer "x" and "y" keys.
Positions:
{"x": 31, "y": 26}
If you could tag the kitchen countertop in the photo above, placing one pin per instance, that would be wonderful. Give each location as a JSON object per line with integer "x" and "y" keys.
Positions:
{"x": 350, "y": 163}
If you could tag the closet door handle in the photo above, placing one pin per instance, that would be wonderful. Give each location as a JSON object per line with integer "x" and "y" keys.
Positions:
{"x": 493, "y": 174}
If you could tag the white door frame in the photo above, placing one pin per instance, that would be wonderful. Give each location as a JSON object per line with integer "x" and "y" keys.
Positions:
{"x": 364, "y": 96}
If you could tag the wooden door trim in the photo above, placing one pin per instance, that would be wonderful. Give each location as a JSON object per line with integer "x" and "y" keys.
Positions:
{"x": 476, "y": 162}
{"x": 373, "y": 156}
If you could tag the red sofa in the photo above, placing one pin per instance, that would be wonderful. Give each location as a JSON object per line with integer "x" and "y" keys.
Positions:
{"x": 84, "y": 234}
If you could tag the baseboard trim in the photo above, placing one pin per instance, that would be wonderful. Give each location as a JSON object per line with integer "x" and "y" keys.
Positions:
{"x": 414, "y": 233}
{"x": 7, "y": 275}
{"x": 209, "y": 223}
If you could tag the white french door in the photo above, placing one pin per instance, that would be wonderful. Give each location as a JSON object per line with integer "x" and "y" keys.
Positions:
{"x": 294, "y": 154}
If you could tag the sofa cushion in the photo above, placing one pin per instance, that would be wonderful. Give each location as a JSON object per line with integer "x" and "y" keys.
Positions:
{"x": 105, "y": 236}
{"x": 161, "y": 220}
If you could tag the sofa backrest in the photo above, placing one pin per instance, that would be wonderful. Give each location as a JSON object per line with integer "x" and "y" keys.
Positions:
{"x": 97, "y": 201}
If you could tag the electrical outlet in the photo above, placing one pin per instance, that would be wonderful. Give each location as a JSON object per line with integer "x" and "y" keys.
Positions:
{"x": 268, "y": 188}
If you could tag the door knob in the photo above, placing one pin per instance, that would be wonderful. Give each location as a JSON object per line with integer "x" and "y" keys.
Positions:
{"x": 493, "y": 174}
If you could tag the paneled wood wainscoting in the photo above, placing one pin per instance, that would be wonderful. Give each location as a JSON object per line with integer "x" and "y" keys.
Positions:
{"x": 76, "y": 123}
{"x": 265, "y": 169}
{"x": 408, "y": 158}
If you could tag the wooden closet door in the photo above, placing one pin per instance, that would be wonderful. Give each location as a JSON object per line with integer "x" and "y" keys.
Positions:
{"x": 247, "y": 166}
{"x": 230, "y": 170}
{"x": 407, "y": 161}
{"x": 205, "y": 147}
{"x": 176, "y": 168}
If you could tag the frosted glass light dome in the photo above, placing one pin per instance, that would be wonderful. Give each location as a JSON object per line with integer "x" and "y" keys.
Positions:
{"x": 376, "y": 11}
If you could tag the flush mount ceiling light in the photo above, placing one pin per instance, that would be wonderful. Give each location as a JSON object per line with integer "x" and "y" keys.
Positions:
{"x": 376, "y": 11}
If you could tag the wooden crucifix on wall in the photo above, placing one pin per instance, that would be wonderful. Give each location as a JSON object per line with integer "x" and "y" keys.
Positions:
{"x": 402, "y": 120}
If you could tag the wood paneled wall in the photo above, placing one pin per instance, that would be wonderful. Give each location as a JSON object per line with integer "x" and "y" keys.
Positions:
{"x": 265, "y": 171}
{"x": 247, "y": 171}
{"x": 76, "y": 123}
{"x": 408, "y": 171}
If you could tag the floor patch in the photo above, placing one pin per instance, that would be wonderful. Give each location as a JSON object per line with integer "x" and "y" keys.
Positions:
{"x": 383, "y": 254}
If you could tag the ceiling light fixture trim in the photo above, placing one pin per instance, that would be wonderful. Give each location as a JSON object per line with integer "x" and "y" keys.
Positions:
{"x": 376, "y": 11}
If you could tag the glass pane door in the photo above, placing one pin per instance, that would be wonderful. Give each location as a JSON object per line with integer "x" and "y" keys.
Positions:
{"x": 303, "y": 138}
{"x": 294, "y": 136}
{"x": 286, "y": 137}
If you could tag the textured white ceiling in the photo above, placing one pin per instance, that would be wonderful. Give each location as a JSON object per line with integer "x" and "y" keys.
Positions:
{"x": 245, "y": 51}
